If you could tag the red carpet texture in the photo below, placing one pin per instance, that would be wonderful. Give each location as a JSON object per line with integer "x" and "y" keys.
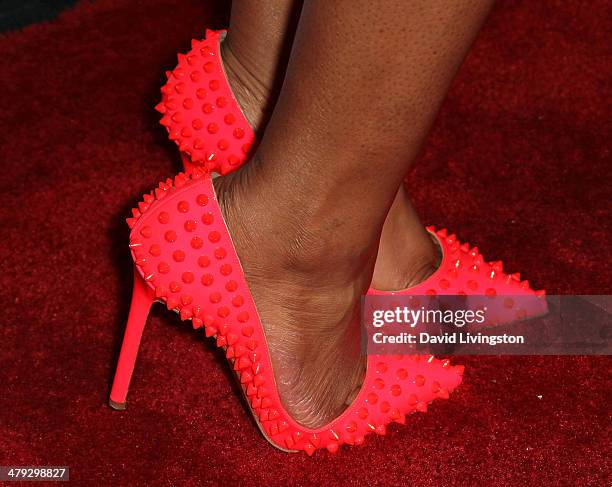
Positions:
{"x": 517, "y": 163}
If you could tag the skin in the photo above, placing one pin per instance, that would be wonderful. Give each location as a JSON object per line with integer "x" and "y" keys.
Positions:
{"x": 362, "y": 85}
{"x": 256, "y": 52}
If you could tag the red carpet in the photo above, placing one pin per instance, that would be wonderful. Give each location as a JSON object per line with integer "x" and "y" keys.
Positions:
{"x": 521, "y": 148}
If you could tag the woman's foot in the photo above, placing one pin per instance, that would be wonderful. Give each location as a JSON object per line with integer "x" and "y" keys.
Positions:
{"x": 307, "y": 298}
{"x": 307, "y": 281}
{"x": 406, "y": 253}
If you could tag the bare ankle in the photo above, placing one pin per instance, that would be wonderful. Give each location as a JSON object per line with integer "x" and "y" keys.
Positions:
{"x": 272, "y": 237}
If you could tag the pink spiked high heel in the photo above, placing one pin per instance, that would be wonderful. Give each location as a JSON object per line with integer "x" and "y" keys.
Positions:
{"x": 203, "y": 117}
{"x": 184, "y": 258}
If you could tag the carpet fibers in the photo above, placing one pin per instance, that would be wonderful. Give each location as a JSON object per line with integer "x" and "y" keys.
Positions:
{"x": 517, "y": 163}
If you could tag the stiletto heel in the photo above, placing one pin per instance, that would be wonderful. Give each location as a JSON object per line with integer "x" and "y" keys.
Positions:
{"x": 142, "y": 299}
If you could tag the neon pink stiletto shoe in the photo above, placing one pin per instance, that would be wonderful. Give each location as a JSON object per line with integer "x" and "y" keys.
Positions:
{"x": 204, "y": 119}
{"x": 184, "y": 258}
